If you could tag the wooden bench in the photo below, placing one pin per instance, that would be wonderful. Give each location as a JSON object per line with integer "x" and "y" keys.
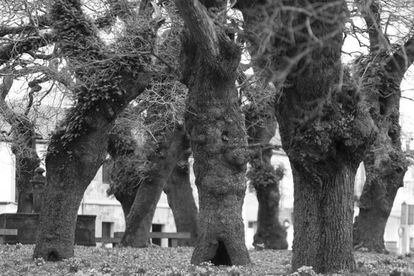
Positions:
{"x": 7, "y": 232}
{"x": 174, "y": 236}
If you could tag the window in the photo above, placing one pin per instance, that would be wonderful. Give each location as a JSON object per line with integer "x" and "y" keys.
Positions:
{"x": 107, "y": 228}
{"x": 156, "y": 228}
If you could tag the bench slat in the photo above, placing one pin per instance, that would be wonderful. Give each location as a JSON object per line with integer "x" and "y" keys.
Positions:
{"x": 170, "y": 235}
{"x": 152, "y": 235}
{"x": 8, "y": 232}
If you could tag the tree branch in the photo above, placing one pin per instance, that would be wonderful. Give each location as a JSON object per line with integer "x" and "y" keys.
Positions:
{"x": 370, "y": 10}
{"x": 15, "y": 49}
{"x": 403, "y": 57}
{"x": 8, "y": 114}
{"x": 200, "y": 25}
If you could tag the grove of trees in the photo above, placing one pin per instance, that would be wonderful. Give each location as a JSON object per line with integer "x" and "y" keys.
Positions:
{"x": 151, "y": 82}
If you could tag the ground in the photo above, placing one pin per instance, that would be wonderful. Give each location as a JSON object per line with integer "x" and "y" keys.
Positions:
{"x": 16, "y": 260}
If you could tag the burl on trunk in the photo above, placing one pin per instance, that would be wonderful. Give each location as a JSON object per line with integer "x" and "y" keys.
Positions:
{"x": 216, "y": 129}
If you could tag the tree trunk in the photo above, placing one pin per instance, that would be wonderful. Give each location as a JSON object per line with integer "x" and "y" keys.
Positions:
{"x": 25, "y": 166}
{"x": 69, "y": 172}
{"x": 324, "y": 127}
{"x": 270, "y": 233}
{"x": 149, "y": 191}
{"x": 23, "y": 147}
{"x": 79, "y": 146}
{"x": 27, "y": 160}
{"x": 385, "y": 163}
{"x": 126, "y": 201}
{"x": 385, "y": 167}
{"x": 181, "y": 201}
{"x": 322, "y": 220}
{"x": 215, "y": 125}
{"x": 261, "y": 127}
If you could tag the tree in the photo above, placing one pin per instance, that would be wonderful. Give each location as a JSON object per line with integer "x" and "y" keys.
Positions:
{"x": 131, "y": 168}
{"x": 261, "y": 126}
{"x": 380, "y": 74}
{"x": 126, "y": 166}
{"x": 23, "y": 146}
{"x": 324, "y": 126}
{"x": 181, "y": 200}
{"x": 106, "y": 83}
{"x": 215, "y": 125}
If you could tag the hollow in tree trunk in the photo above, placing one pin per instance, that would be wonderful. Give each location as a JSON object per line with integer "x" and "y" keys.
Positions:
{"x": 215, "y": 125}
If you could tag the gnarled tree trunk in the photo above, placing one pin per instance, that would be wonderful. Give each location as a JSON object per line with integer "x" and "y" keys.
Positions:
{"x": 79, "y": 147}
{"x": 23, "y": 147}
{"x": 324, "y": 127}
{"x": 261, "y": 127}
{"x": 381, "y": 73}
{"x": 323, "y": 220}
{"x": 181, "y": 200}
{"x": 27, "y": 160}
{"x": 163, "y": 161}
{"x": 215, "y": 125}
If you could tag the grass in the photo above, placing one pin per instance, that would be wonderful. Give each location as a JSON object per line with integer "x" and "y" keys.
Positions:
{"x": 17, "y": 260}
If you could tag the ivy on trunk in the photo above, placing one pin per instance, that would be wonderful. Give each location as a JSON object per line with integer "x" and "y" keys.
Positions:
{"x": 106, "y": 83}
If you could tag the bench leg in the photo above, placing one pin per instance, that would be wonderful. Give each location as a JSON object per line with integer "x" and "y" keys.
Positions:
{"x": 1, "y": 239}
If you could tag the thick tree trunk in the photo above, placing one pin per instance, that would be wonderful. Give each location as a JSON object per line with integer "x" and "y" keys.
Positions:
{"x": 385, "y": 166}
{"x": 218, "y": 142}
{"x": 24, "y": 173}
{"x": 325, "y": 128}
{"x": 69, "y": 173}
{"x": 261, "y": 127}
{"x": 126, "y": 201}
{"x": 323, "y": 212}
{"x": 181, "y": 201}
{"x": 79, "y": 147}
{"x": 215, "y": 125}
{"x": 23, "y": 147}
{"x": 270, "y": 233}
{"x": 149, "y": 191}
{"x": 27, "y": 160}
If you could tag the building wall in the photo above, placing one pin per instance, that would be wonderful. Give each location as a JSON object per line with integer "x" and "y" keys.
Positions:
{"x": 7, "y": 179}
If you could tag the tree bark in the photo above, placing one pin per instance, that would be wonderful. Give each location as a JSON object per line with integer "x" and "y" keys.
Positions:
{"x": 261, "y": 127}
{"x": 27, "y": 160}
{"x": 216, "y": 129}
{"x": 323, "y": 232}
{"x": 324, "y": 125}
{"x": 23, "y": 147}
{"x": 181, "y": 201}
{"x": 163, "y": 160}
{"x": 380, "y": 74}
{"x": 385, "y": 162}
{"x": 79, "y": 147}
{"x": 385, "y": 166}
